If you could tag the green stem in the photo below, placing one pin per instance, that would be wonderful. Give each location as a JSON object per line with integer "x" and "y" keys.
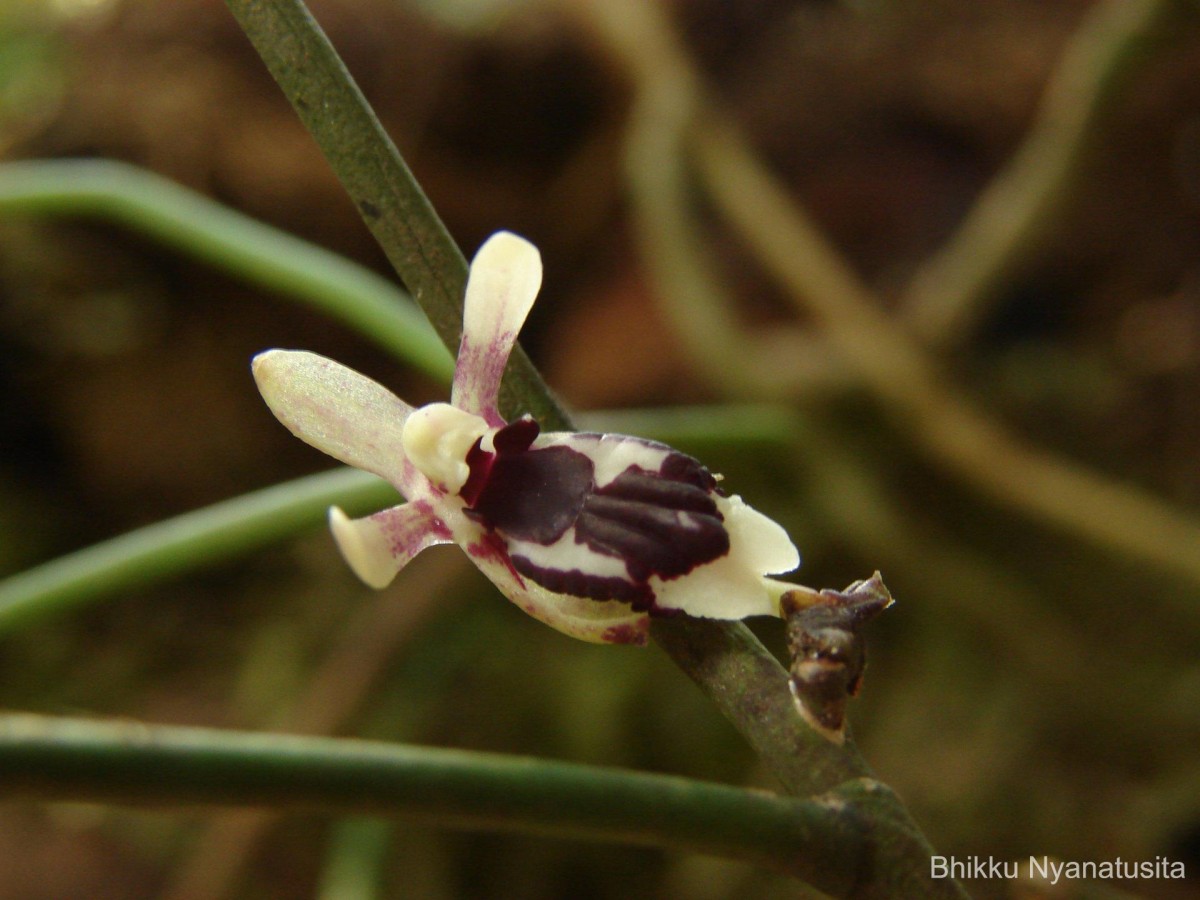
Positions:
{"x": 228, "y": 240}
{"x": 751, "y": 688}
{"x": 215, "y": 533}
{"x": 76, "y": 759}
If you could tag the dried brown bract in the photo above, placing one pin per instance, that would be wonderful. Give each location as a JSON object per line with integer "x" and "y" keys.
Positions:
{"x": 828, "y": 650}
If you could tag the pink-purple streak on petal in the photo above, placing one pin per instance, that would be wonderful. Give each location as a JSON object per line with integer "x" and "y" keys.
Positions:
{"x": 477, "y": 376}
{"x": 411, "y": 528}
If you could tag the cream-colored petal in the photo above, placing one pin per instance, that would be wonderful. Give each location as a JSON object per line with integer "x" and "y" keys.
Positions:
{"x": 378, "y": 546}
{"x": 759, "y": 542}
{"x": 336, "y": 410}
{"x": 505, "y": 277}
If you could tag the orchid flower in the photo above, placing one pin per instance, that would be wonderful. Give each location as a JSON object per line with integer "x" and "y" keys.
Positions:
{"x": 589, "y": 533}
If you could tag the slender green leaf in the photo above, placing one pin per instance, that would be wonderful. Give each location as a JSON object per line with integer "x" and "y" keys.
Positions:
{"x": 203, "y": 537}
{"x": 77, "y": 759}
{"x": 235, "y": 243}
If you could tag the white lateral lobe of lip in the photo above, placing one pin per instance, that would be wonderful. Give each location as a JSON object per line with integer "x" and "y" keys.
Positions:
{"x": 336, "y": 410}
{"x": 505, "y": 277}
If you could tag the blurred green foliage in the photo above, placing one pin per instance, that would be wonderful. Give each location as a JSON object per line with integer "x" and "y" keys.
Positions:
{"x": 1028, "y": 694}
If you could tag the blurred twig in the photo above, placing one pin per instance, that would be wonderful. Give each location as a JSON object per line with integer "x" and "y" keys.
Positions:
{"x": 940, "y": 421}
{"x": 725, "y": 424}
{"x": 954, "y": 289}
{"x": 235, "y": 243}
{"x": 729, "y": 356}
{"x": 953, "y": 432}
{"x": 687, "y": 282}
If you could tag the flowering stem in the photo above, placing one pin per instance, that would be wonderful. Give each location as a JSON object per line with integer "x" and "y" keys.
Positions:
{"x": 724, "y": 658}
{"x": 233, "y": 242}
{"x": 45, "y": 757}
{"x": 214, "y": 533}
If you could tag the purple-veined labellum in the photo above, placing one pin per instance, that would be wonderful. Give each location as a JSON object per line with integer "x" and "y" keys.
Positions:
{"x": 594, "y": 515}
